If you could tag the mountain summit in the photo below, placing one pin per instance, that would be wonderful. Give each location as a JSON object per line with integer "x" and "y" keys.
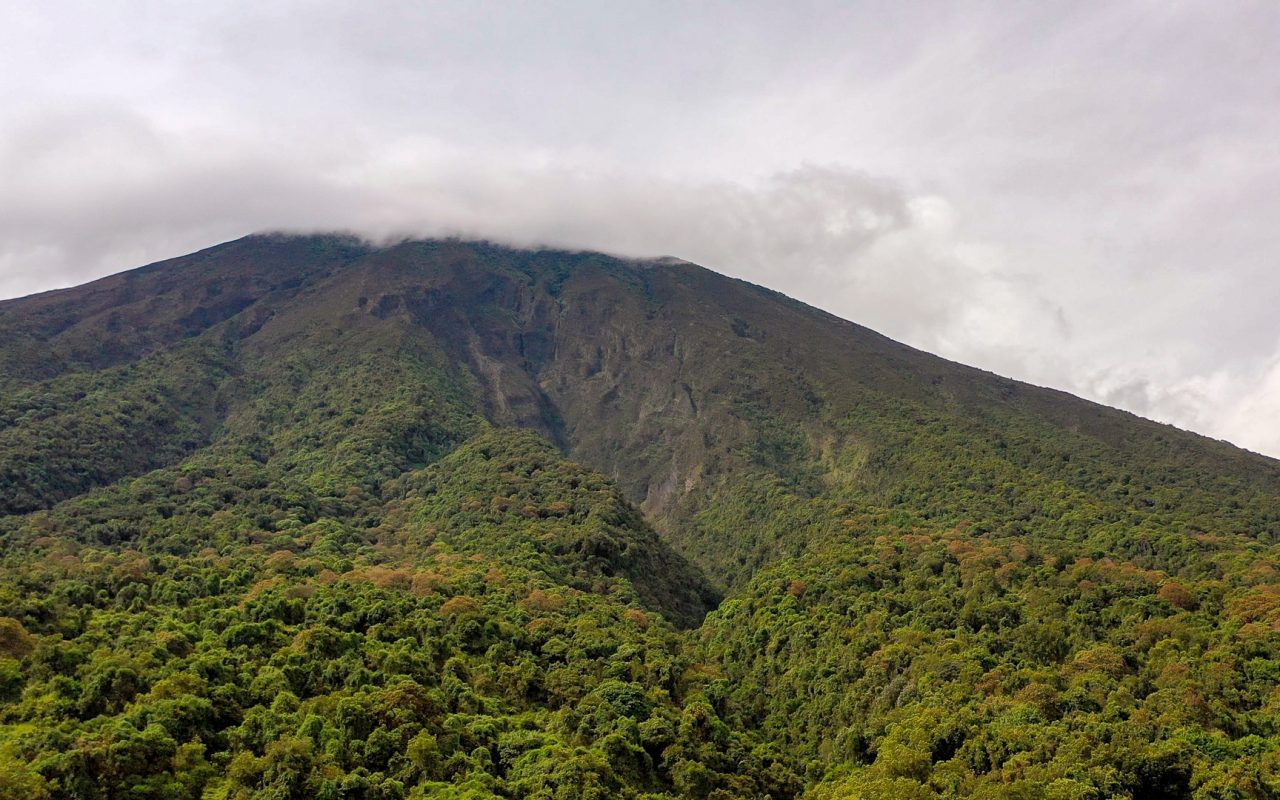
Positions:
{"x": 301, "y": 516}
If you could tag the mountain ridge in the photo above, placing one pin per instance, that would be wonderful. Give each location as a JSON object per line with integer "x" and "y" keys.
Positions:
{"x": 359, "y": 247}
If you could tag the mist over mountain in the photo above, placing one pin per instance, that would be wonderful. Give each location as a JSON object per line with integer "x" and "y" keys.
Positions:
{"x": 305, "y": 516}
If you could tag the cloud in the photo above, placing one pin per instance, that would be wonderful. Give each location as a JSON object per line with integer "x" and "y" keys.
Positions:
{"x": 1253, "y": 415}
{"x": 95, "y": 193}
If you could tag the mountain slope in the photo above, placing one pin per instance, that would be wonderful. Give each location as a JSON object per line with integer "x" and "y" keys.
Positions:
{"x": 938, "y": 581}
{"x": 664, "y": 375}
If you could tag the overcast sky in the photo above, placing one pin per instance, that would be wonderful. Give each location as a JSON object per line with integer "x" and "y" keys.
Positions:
{"x": 1081, "y": 195}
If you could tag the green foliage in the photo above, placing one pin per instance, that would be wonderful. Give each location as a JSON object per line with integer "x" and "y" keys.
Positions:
{"x": 507, "y": 494}
{"x": 499, "y": 648}
{"x": 62, "y": 437}
{"x": 946, "y": 664}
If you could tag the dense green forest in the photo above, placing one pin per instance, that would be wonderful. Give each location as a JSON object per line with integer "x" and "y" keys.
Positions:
{"x": 300, "y": 517}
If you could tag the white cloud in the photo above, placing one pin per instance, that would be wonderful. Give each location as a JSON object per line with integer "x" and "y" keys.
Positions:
{"x": 1253, "y": 415}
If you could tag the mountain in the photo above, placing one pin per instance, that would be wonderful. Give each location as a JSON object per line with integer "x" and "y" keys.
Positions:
{"x": 301, "y": 516}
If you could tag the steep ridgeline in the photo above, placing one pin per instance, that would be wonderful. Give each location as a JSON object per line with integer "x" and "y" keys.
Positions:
{"x": 306, "y": 517}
